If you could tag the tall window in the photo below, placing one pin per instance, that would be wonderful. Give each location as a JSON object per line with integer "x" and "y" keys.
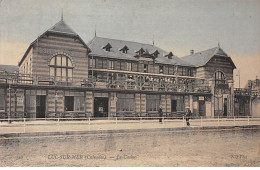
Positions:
{"x": 129, "y": 66}
{"x": 152, "y": 102}
{"x": 219, "y": 78}
{"x": 125, "y": 102}
{"x": 160, "y": 69}
{"x": 2, "y": 99}
{"x": 111, "y": 65}
{"x": 189, "y": 72}
{"x": 61, "y": 68}
{"x": 92, "y": 63}
{"x": 146, "y": 68}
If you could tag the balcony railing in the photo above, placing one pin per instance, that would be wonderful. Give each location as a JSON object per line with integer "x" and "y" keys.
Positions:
{"x": 242, "y": 92}
{"x": 137, "y": 83}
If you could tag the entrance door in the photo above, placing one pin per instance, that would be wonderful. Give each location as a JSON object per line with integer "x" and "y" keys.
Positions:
{"x": 225, "y": 107}
{"x": 174, "y": 105}
{"x": 202, "y": 108}
{"x": 40, "y": 106}
{"x": 100, "y": 107}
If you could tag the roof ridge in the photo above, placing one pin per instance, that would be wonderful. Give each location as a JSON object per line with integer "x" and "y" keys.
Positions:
{"x": 202, "y": 51}
{"x": 62, "y": 22}
{"x": 127, "y": 41}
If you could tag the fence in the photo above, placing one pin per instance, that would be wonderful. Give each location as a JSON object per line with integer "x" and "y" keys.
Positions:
{"x": 176, "y": 121}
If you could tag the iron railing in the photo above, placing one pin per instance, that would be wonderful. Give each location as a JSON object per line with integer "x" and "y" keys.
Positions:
{"x": 139, "y": 83}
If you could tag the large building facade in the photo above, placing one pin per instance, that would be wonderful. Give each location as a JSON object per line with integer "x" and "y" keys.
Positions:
{"x": 62, "y": 76}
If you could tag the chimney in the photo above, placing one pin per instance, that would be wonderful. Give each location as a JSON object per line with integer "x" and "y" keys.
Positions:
{"x": 191, "y": 52}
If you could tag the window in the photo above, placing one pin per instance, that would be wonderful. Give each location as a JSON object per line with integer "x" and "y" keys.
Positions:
{"x": 92, "y": 63}
{"x": 124, "y": 49}
{"x": 140, "y": 52}
{"x": 111, "y": 65}
{"x": 146, "y": 68}
{"x": 219, "y": 78}
{"x": 129, "y": 66}
{"x": 2, "y": 99}
{"x": 30, "y": 99}
{"x": 166, "y": 69}
{"x": 74, "y": 101}
{"x": 189, "y": 72}
{"x": 61, "y": 68}
{"x": 125, "y": 102}
{"x": 152, "y": 102}
{"x": 122, "y": 65}
{"x": 101, "y": 63}
{"x": 156, "y": 53}
{"x": 107, "y": 47}
{"x": 27, "y": 68}
{"x": 160, "y": 69}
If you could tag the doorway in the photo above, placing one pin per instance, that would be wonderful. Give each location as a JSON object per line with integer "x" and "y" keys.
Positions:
{"x": 100, "y": 107}
{"x": 225, "y": 107}
{"x": 40, "y": 106}
{"x": 174, "y": 105}
{"x": 69, "y": 103}
{"x": 202, "y": 108}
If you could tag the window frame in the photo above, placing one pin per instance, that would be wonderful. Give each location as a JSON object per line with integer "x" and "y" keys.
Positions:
{"x": 3, "y": 99}
{"x": 59, "y": 68}
{"x": 125, "y": 102}
{"x": 154, "y": 101}
{"x": 219, "y": 78}
{"x": 146, "y": 68}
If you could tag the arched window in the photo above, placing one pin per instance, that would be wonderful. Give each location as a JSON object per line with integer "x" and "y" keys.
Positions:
{"x": 220, "y": 78}
{"x": 61, "y": 68}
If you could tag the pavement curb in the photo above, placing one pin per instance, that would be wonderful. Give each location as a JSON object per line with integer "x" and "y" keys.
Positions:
{"x": 100, "y": 132}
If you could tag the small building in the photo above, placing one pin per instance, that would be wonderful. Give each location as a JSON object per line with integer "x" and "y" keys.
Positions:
{"x": 215, "y": 66}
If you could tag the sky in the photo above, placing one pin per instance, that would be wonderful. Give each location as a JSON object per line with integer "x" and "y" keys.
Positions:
{"x": 174, "y": 25}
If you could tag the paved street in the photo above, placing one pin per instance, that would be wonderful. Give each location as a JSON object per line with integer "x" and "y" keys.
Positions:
{"x": 217, "y": 147}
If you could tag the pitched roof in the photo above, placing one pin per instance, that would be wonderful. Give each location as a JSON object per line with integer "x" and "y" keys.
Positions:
{"x": 9, "y": 68}
{"x": 97, "y": 43}
{"x": 202, "y": 58}
{"x": 62, "y": 27}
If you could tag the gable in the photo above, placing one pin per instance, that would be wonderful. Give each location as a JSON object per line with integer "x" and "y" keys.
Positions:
{"x": 61, "y": 28}
{"x": 221, "y": 61}
{"x": 203, "y": 57}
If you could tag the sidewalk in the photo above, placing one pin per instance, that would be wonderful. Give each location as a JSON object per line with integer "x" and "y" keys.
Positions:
{"x": 42, "y": 128}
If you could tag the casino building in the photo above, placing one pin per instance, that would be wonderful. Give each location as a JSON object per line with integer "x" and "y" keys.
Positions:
{"x": 62, "y": 76}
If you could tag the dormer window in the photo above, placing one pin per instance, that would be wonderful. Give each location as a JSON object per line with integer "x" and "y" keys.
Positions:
{"x": 140, "y": 52}
{"x": 107, "y": 47}
{"x": 124, "y": 49}
{"x": 169, "y": 55}
{"x": 156, "y": 53}
{"x": 147, "y": 52}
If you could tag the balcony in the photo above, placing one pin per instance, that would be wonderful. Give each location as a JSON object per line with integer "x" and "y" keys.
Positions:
{"x": 138, "y": 83}
{"x": 242, "y": 92}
